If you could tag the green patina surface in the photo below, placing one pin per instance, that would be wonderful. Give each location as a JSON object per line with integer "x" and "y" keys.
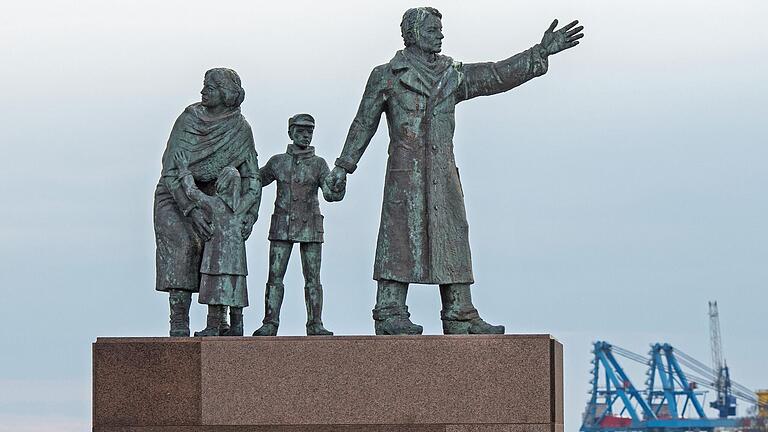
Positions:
{"x": 299, "y": 174}
{"x": 213, "y": 136}
{"x": 423, "y": 232}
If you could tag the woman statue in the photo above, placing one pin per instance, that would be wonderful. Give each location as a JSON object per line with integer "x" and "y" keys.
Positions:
{"x": 213, "y": 134}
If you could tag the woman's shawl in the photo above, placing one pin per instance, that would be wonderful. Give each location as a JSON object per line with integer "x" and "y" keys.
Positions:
{"x": 210, "y": 143}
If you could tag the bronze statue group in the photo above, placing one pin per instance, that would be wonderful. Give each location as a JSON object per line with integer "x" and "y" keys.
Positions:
{"x": 209, "y": 193}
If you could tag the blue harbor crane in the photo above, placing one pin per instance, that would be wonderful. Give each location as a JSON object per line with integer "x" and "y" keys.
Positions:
{"x": 670, "y": 400}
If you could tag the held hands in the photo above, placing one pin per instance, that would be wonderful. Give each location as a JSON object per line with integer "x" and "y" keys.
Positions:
{"x": 555, "y": 41}
{"x": 338, "y": 179}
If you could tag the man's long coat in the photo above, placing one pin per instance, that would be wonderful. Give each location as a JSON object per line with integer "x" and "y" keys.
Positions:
{"x": 424, "y": 235}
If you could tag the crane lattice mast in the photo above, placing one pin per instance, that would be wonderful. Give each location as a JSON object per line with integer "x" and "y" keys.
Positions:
{"x": 725, "y": 404}
{"x": 714, "y": 337}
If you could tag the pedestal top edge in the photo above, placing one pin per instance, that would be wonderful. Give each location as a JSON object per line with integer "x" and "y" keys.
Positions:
{"x": 155, "y": 339}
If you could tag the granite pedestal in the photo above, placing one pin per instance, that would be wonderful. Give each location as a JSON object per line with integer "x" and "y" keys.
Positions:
{"x": 488, "y": 383}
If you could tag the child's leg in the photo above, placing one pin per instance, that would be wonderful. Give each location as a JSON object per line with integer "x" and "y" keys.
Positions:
{"x": 236, "y": 321}
{"x": 311, "y": 255}
{"x": 279, "y": 253}
{"x": 215, "y": 315}
{"x": 223, "y": 324}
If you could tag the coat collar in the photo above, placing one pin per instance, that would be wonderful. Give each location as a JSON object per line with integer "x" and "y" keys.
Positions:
{"x": 410, "y": 78}
{"x": 299, "y": 152}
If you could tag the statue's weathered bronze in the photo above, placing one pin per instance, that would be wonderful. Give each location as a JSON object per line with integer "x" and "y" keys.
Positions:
{"x": 224, "y": 266}
{"x": 299, "y": 174}
{"x": 214, "y": 135}
{"x": 423, "y": 235}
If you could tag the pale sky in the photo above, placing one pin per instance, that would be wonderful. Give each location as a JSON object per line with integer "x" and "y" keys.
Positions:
{"x": 607, "y": 200}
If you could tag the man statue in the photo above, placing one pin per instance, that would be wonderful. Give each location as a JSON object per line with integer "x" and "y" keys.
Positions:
{"x": 299, "y": 174}
{"x": 214, "y": 135}
{"x": 423, "y": 235}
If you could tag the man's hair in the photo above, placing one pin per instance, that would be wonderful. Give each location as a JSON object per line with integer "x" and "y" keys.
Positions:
{"x": 228, "y": 81}
{"x": 413, "y": 19}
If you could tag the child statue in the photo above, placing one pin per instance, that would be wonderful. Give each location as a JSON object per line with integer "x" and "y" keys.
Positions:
{"x": 223, "y": 268}
{"x": 299, "y": 174}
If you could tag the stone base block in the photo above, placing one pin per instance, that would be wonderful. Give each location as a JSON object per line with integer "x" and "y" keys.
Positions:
{"x": 493, "y": 383}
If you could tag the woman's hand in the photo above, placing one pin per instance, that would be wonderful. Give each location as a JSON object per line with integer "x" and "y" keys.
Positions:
{"x": 247, "y": 227}
{"x": 252, "y": 162}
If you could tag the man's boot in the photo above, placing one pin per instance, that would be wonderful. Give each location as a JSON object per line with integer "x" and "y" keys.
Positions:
{"x": 459, "y": 315}
{"x": 273, "y": 300}
{"x": 179, "y": 301}
{"x": 313, "y": 295}
{"x": 391, "y": 315}
{"x": 215, "y": 315}
{"x": 236, "y": 322}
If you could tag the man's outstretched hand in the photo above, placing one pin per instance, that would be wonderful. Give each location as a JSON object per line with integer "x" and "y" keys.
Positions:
{"x": 555, "y": 41}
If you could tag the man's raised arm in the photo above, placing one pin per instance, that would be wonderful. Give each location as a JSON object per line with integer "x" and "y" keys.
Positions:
{"x": 484, "y": 79}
